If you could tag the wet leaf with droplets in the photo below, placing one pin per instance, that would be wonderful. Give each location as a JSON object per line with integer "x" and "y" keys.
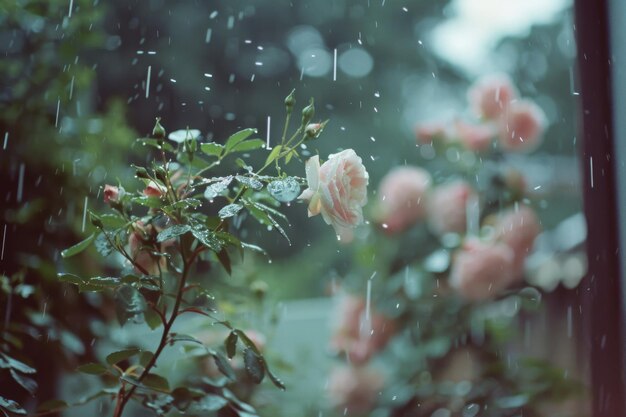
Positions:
{"x": 285, "y": 190}
{"x": 217, "y": 188}
{"x": 229, "y": 210}
{"x": 250, "y": 182}
{"x": 173, "y": 232}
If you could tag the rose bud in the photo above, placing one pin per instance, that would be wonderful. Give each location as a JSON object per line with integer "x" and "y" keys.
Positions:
{"x": 112, "y": 194}
{"x": 337, "y": 190}
{"x": 154, "y": 189}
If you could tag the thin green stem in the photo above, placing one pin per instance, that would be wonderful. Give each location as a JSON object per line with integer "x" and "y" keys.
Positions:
{"x": 187, "y": 263}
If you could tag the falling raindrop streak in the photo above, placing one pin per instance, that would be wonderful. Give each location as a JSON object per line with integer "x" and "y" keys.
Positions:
{"x": 269, "y": 121}
{"x": 6, "y": 140}
{"x": 591, "y": 169}
{"x": 368, "y": 300}
{"x": 85, "y": 214}
{"x": 4, "y": 238}
{"x": 335, "y": 65}
{"x": 207, "y": 38}
{"x": 69, "y": 13}
{"x": 71, "y": 88}
{"x": 56, "y": 119}
{"x": 20, "y": 183}
{"x": 148, "y": 81}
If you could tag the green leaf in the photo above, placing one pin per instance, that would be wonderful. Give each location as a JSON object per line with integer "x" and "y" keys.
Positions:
{"x": 217, "y": 188}
{"x": 275, "y": 380}
{"x": 93, "y": 369}
{"x": 209, "y": 402}
{"x": 212, "y": 149}
{"x": 156, "y": 382}
{"x": 231, "y": 344}
{"x": 254, "y": 365}
{"x": 52, "y": 405}
{"x": 79, "y": 247}
{"x": 224, "y": 259}
{"x": 248, "y": 145}
{"x": 70, "y": 278}
{"x": 153, "y": 320}
{"x": 184, "y": 204}
{"x": 207, "y": 237}
{"x": 250, "y": 182}
{"x": 122, "y": 355}
{"x": 150, "y": 202}
{"x": 25, "y": 382}
{"x": 284, "y": 190}
{"x": 223, "y": 365}
{"x": 237, "y": 138}
{"x": 273, "y": 155}
{"x": 261, "y": 213}
{"x": 11, "y": 406}
{"x": 156, "y": 144}
{"x": 145, "y": 358}
{"x": 112, "y": 221}
{"x": 17, "y": 365}
{"x": 173, "y": 232}
{"x": 129, "y": 303}
{"x": 229, "y": 210}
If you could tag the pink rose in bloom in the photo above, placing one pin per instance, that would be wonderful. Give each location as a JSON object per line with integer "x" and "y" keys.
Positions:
{"x": 475, "y": 137}
{"x": 154, "y": 190}
{"x": 482, "y": 270}
{"x": 354, "y": 335}
{"x": 354, "y": 390}
{"x": 402, "y": 197}
{"x": 521, "y": 126}
{"x": 337, "y": 190}
{"x": 491, "y": 95}
{"x": 428, "y": 132}
{"x": 518, "y": 229}
{"x": 111, "y": 194}
{"x": 447, "y": 207}
{"x": 140, "y": 251}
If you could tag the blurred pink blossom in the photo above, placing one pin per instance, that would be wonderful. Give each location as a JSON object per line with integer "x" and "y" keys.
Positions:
{"x": 354, "y": 390}
{"x": 482, "y": 270}
{"x": 490, "y": 96}
{"x": 427, "y": 133}
{"x": 354, "y": 335}
{"x": 402, "y": 197}
{"x": 337, "y": 190}
{"x": 447, "y": 207}
{"x": 518, "y": 229}
{"x": 475, "y": 137}
{"x": 521, "y": 126}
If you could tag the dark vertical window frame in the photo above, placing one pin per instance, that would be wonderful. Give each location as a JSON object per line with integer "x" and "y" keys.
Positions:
{"x": 603, "y": 122}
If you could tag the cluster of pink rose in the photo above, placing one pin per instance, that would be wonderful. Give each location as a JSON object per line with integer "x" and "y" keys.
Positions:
{"x": 359, "y": 334}
{"x": 481, "y": 268}
{"x": 515, "y": 123}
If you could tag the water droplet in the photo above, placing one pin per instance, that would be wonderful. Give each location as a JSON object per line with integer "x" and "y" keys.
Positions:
{"x": 471, "y": 410}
